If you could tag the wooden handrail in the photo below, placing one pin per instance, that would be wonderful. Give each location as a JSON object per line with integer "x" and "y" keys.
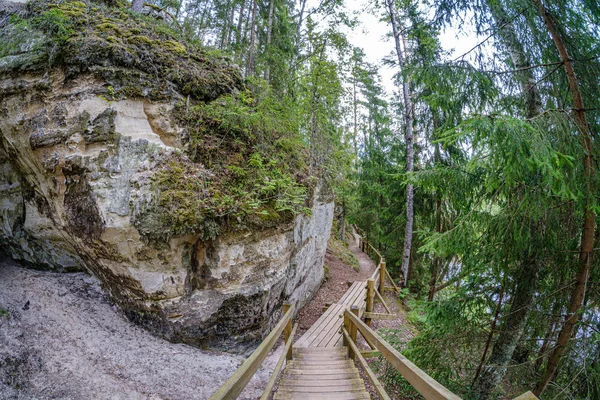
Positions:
{"x": 423, "y": 383}
{"x": 232, "y": 388}
{"x": 279, "y": 365}
{"x": 376, "y": 384}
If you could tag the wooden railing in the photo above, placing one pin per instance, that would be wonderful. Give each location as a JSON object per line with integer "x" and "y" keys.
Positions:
{"x": 366, "y": 247}
{"x": 238, "y": 381}
{"x": 428, "y": 387}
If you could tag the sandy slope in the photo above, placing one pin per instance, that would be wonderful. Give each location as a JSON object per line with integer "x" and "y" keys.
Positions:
{"x": 63, "y": 340}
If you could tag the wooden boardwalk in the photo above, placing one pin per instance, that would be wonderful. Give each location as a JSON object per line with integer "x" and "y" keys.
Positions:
{"x": 326, "y": 331}
{"x": 321, "y": 366}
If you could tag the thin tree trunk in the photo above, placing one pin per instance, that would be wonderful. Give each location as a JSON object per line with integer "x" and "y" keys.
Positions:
{"x": 230, "y": 27}
{"x": 410, "y": 152}
{"x": 355, "y": 119}
{"x": 269, "y": 33}
{"x": 491, "y": 335}
{"x": 435, "y": 267}
{"x": 506, "y": 31}
{"x": 252, "y": 46}
{"x": 511, "y": 331}
{"x": 226, "y": 26}
{"x": 239, "y": 34}
{"x": 587, "y": 237}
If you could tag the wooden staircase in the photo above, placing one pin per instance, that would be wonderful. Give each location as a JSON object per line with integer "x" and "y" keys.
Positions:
{"x": 321, "y": 365}
{"x": 321, "y": 373}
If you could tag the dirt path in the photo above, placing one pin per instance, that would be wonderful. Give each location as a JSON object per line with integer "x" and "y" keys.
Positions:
{"x": 62, "y": 339}
{"x": 342, "y": 276}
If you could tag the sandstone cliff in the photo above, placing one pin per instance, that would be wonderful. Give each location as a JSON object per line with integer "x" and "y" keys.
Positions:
{"x": 119, "y": 155}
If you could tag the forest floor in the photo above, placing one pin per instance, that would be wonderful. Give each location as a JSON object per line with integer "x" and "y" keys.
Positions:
{"x": 60, "y": 338}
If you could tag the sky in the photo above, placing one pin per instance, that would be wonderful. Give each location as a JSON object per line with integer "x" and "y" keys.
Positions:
{"x": 371, "y": 37}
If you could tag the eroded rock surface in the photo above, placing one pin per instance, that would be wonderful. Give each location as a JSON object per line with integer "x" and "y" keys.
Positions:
{"x": 76, "y": 192}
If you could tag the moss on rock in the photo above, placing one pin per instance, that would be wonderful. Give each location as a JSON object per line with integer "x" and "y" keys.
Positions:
{"x": 67, "y": 35}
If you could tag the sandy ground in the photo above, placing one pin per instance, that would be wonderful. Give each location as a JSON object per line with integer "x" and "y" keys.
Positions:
{"x": 61, "y": 339}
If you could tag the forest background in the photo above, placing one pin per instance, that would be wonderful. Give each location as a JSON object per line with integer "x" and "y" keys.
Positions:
{"x": 474, "y": 172}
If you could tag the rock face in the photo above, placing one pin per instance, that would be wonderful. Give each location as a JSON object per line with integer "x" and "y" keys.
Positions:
{"x": 76, "y": 173}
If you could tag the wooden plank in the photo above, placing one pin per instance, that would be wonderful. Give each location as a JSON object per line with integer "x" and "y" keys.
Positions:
{"x": 321, "y": 372}
{"x": 315, "y": 357}
{"x": 306, "y": 339}
{"x": 349, "y": 293}
{"x": 279, "y": 365}
{"x": 313, "y": 350}
{"x": 315, "y": 396}
{"x": 423, "y": 383}
{"x": 359, "y": 298}
{"x": 293, "y": 374}
{"x": 372, "y": 377}
{"x": 370, "y": 353}
{"x": 232, "y": 388}
{"x": 383, "y": 302}
{"x": 321, "y": 389}
{"x": 319, "y": 383}
{"x": 373, "y": 315}
{"x": 321, "y": 366}
{"x": 314, "y": 329}
{"x": 392, "y": 281}
{"x": 331, "y": 329}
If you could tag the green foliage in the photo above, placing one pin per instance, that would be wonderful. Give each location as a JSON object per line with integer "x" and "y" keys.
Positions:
{"x": 248, "y": 169}
{"x": 326, "y": 273}
{"x": 4, "y": 313}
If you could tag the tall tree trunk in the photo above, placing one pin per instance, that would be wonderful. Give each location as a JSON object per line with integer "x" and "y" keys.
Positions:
{"x": 527, "y": 276}
{"x": 435, "y": 267}
{"x": 269, "y": 33}
{"x": 410, "y": 151}
{"x": 226, "y": 25}
{"x": 587, "y": 236}
{"x": 252, "y": 46}
{"x": 512, "y": 329}
{"x": 230, "y": 27}
{"x": 239, "y": 34}
{"x": 506, "y": 32}
{"x": 137, "y": 5}
{"x": 355, "y": 107}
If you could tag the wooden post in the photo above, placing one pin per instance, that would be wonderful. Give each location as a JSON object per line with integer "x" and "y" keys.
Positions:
{"x": 382, "y": 277}
{"x": 360, "y": 242}
{"x": 287, "y": 331}
{"x": 347, "y": 327}
{"x": 353, "y": 330}
{"x": 370, "y": 299}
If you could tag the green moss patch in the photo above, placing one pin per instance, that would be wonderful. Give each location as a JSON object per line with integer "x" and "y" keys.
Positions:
{"x": 104, "y": 40}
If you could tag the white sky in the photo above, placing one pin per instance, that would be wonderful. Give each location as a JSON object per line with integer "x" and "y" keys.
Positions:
{"x": 371, "y": 37}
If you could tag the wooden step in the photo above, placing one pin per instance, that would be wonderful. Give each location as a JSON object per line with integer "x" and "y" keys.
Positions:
{"x": 321, "y": 389}
{"x": 321, "y": 396}
{"x": 321, "y": 364}
{"x": 303, "y": 381}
